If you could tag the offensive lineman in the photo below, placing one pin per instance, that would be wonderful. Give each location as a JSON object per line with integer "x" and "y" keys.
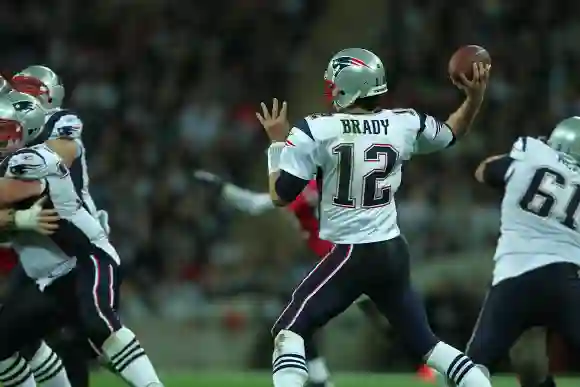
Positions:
{"x": 62, "y": 129}
{"x": 536, "y": 279}
{"x": 83, "y": 266}
{"x": 356, "y": 155}
{"x": 62, "y": 132}
{"x": 23, "y": 118}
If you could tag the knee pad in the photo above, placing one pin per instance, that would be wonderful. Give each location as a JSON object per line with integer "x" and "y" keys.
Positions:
{"x": 121, "y": 348}
{"x": 45, "y": 364}
{"x": 288, "y": 360}
{"x": 289, "y": 342}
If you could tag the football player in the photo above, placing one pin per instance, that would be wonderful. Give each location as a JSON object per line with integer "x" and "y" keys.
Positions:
{"x": 76, "y": 268}
{"x": 62, "y": 132}
{"x": 21, "y": 118}
{"x": 536, "y": 279}
{"x": 356, "y": 154}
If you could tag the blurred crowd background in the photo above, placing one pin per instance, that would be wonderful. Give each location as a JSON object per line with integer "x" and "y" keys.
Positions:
{"x": 165, "y": 87}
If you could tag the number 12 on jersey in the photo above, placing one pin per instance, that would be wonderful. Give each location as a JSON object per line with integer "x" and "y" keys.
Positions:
{"x": 369, "y": 195}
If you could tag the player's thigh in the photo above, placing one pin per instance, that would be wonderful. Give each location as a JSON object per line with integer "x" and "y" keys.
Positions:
{"x": 96, "y": 290}
{"x": 505, "y": 314}
{"x": 26, "y": 316}
{"x": 389, "y": 288}
{"x": 329, "y": 289}
{"x": 564, "y": 317}
{"x": 16, "y": 278}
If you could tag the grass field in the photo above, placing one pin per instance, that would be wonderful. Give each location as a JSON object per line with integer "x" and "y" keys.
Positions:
{"x": 229, "y": 379}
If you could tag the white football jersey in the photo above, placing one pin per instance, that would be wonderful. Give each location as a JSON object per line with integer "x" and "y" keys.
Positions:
{"x": 539, "y": 211}
{"x": 357, "y": 159}
{"x": 79, "y": 234}
{"x": 62, "y": 123}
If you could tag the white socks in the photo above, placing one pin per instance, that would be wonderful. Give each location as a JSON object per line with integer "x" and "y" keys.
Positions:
{"x": 456, "y": 367}
{"x": 15, "y": 372}
{"x": 48, "y": 369}
{"x": 126, "y": 356}
{"x": 317, "y": 370}
{"x": 288, "y": 360}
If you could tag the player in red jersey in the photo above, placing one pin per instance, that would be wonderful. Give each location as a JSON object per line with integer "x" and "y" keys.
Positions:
{"x": 8, "y": 259}
{"x": 305, "y": 208}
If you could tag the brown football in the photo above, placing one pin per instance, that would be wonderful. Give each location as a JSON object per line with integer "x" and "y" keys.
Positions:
{"x": 463, "y": 59}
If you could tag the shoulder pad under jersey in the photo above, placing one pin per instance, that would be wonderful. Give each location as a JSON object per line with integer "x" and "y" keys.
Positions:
{"x": 64, "y": 124}
{"x": 34, "y": 163}
{"x": 524, "y": 146}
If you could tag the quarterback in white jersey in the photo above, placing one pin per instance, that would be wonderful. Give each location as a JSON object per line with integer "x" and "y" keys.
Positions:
{"x": 356, "y": 154}
{"x": 536, "y": 279}
{"x": 82, "y": 284}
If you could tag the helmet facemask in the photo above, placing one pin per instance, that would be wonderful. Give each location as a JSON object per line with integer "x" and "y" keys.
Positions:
{"x": 12, "y": 136}
{"x": 27, "y": 111}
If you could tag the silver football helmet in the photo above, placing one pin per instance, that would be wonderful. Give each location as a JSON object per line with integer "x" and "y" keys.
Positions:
{"x": 5, "y": 86}
{"x": 21, "y": 120}
{"x": 565, "y": 138}
{"x": 42, "y": 83}
{"x": 354, "y": 73}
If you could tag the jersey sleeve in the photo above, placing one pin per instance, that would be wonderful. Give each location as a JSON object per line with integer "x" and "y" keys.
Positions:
{"x": 64, "y": 124}
{"x": 245, "y": 200}
{"x": 498, "y": 171}
{"x": 34, "y": 164}
{"x": 433, "y": 135}
{"x": 519, "y": 148}
{"x": 298, "y": 158}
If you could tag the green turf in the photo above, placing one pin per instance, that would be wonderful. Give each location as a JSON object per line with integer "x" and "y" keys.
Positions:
{"x": 231, "y": 379}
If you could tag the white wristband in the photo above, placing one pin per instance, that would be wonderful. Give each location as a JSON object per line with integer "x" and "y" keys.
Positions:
{"x": 27, "y": 219}
{"x": 274, "y": 152}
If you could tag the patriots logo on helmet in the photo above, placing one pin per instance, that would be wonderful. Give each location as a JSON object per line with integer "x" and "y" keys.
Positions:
{"x": 23, "y": 106}
{"x": 342, "y": 62}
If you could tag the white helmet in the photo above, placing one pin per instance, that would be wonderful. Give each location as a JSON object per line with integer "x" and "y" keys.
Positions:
{"x": 354, "y": 73}
{"x": 42, "y": 83}
{"x": 21, "y": 120}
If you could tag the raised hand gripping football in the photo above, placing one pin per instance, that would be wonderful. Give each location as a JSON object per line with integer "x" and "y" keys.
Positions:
{"x": 275, "y": 122}
{"x": 476, "y": 86}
